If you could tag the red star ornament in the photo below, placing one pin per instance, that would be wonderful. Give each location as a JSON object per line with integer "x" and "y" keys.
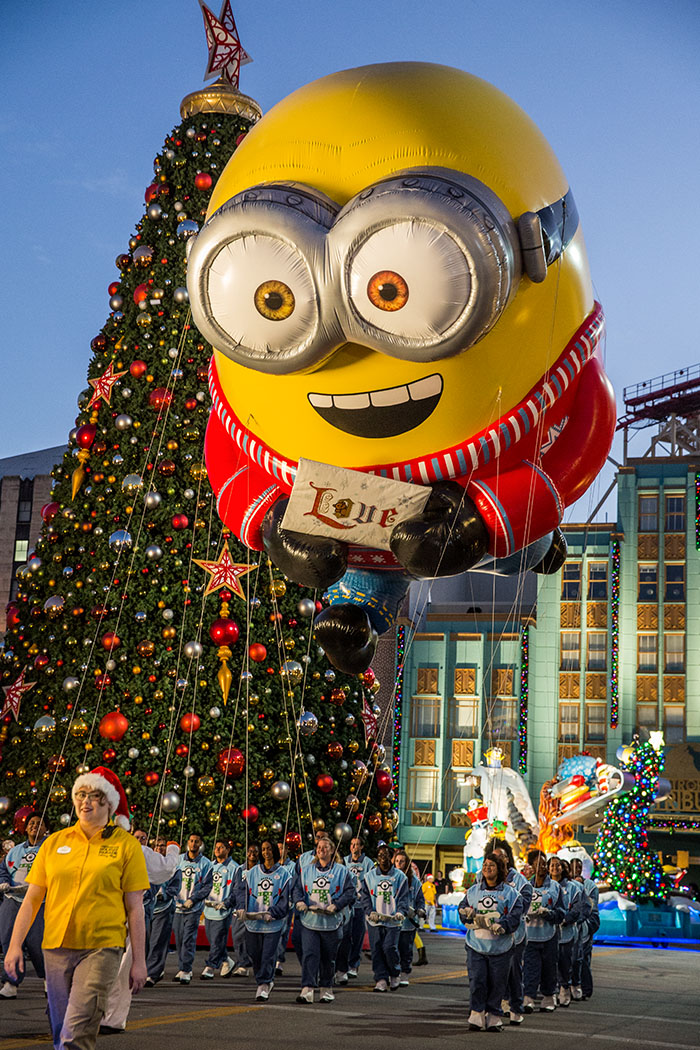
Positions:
{"x": 226, "y": 56}
{"x": 225, "y": 573}
{"x": 103, "y": 385}
{"x": 14, "y": 693}
{"x": 369, "y": 720}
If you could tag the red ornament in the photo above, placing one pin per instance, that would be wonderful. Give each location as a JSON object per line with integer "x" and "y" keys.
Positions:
{"x": 203, "y": 180}
{"x": 102, "y": 681}
{"x": 257, "y": 652}
{"x": 368, "y": 677}
{"x": 151, "y": 192}
{"x": 384, "y": 782}
{"x": 231, "y": 761}
{"x": 181, "y": 750}
{"x": 113, "y": 726}
{"x": 334, "y": 749}
{"x": 41, "y": 661}
{"x": 140, "y": 293}
{"x": 190, "y": 403}
{"x": 325, "y": 783}
{"x": 250, "y": 814}
{"x": 180, "y": 521}
{"x": 113, "y": 288}
{"x": 159, "y": 397}
{"x": 110, "y": 641}
{"x": 292, "y": 839}
{"x": 190, "y": 722}
{"x": 375, "y": 821}
{"x": 49, "y": 511}
{"x": 56, "y": 764}
{"x": 224, "y": 632}
{"x": 22, "y": 815}
{"x": 85, "y": 435}
{"x": 337, "y": 696}
{"x": 241, "y": 137}
{"x": 99, "y": 342}
{"x": 151, "y": 779}
{"x": 109, "y": 755}
{"x": 138, "y": 368}
{"x": 12, "y": 617}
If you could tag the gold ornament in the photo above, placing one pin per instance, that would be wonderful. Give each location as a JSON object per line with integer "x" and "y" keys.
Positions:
{"x": 206, "y": 785}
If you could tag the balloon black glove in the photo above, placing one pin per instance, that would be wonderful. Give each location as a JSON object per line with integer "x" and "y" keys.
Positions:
{"x": 555, "y": 556}
{"x": 347, "y": 636}
{"x": 449, "y": 536}
{"x": 312, "y": 561}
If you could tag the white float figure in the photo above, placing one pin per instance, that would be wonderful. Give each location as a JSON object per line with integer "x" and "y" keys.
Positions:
{"x": 501, "y": 787}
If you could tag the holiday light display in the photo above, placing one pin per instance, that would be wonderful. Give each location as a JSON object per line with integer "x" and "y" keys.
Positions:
{"x": 615, "y": 635}
{"x": 524, "y": 675}
{"x": 623, "y": 856}
{"x": 398, "y": 701}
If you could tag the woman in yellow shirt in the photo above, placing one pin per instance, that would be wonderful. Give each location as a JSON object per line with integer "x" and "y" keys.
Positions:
{"x": 93, "y": 876}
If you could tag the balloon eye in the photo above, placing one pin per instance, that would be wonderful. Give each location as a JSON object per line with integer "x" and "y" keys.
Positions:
{"x": 387, "y": 290}
{"x": 274, "y": 300}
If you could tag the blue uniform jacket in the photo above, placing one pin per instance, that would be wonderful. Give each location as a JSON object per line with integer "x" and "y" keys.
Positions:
{"x": 385, "y": 894}
{"x": 575, "y": 905}
{"x": 196, "y": 882}
{"x": 222, "y": 881}
{"x": 16, "y": 866}
{"x": 261, "y": 890}
{"x": 358, "y": 869}
{"x": 416, "y": 902}
{"x": 504, "y": 905}
{"x": 546, "y": 897}
{"x": 323, "y": 886}
{"x": 165, "y": 894}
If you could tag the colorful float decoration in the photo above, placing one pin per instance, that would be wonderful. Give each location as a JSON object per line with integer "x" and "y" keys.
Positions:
{"x": 581, "y": 789}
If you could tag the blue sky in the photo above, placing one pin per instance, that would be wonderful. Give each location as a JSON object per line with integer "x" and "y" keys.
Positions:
{"x": 92, "y": 89}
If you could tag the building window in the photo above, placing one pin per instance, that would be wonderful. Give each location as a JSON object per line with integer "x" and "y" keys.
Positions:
{"x": 597, "y": 651}
{"x": 568, "y": 723}
{"x": 648, "y": 583}
{"x": 674, "y": 590}
{"x": 596, "y": 721}
{"x": 571, "y": 582}
{"x": 422, "y": 788}
{"x": 425, "y": 716}
{"x": 648, "y": 513}
{"x": 597, "y": 581}
{"x": 647, "y": 653}
{"x": 464, "y": 717}
{"x": 647, "y": 716}
{"x": 458, "y": 794}
{"x": 501, "y": 719}
{"x": 570, "y": 651}
{"x": 675, "y": 514}
{"x": 674, "y": 723}
{"x": 24, "y": 510}
{"x": 674, "y": 653}
{"x": 21, "y": 550}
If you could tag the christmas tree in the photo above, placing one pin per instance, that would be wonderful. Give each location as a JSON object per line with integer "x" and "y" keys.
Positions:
{"x": 623, "y": 856}
{"x": 144, "y": 637}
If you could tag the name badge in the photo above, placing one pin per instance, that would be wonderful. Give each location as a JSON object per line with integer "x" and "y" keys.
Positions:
{"x": 63, "y": 849}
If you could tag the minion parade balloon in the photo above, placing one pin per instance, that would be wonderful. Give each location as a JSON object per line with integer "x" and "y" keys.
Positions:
{"x": 394, "y": 278}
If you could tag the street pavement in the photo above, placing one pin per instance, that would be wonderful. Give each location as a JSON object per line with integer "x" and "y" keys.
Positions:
{"x": 643, "y": 998}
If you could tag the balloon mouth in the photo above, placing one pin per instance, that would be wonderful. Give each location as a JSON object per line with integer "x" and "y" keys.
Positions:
{"x": 380, "y": 413}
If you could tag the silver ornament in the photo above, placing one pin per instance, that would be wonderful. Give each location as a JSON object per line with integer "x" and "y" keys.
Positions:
{"x": 120, "y": 540}
{"x": 187, "y": 228}
{"x": 154, "y": 552}
{"x": 193, "y": 649}
{"x": 308, "y": 723}
{"x": 171, "y": 802}
{"x": 123, "y": 422}
{"x": 188, "y": 771}
{"x": 65, "y": 819}
{"x": 181, "y": 684}
{"x": 154, "y": 751}
{"x": 132, "y": 482}
{"x": 116, "y": 302}
{"x": 153, "y": 500}
{"x": 140, "y": 616}
{"x": 329, "y": 675}
{"x": 70, "y": 683}
{"x": 110, "y": 665}
{"x": 306, "y": 607}
{"x": 180, "y": 295}
{"x": 83, "y": 767}
{"x": 276, "y": 827}
{"x": 4, "y": 805}
{"x": 280, "y": 790}
{"x": 215, "y": 712}
{"x": 342, "y": 832}
{"x": 154, "y": 210}
{"x": 189, "y": 493}
{"x": 168, "y": 614}
{"x": 34, "y": 564}
{"x": 133, "y": 752}
{"x": 126, "y": 392}
{"x": 173, "y": 352}
{"x": 349, "y": 720}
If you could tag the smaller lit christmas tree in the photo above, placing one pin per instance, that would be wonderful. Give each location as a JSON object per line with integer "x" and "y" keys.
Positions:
{"x": 623, "y": 855}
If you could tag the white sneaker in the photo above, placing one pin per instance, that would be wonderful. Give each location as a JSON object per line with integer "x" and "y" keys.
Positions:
{"x": 327, "y": 995}
{"x": 178, "y": 976}
{"x": 352, "y": 973}
{"x": 547, "y": 1006}
{"x": 516, "y": 1018}
{"x": 494, "y": 1023}
{"x": 477, "y": 1022}
{"x": 306, "y": 995}
{"x": 341, "y": 978}
{"x": 564, "y": 996}
{"x": 8, "y": 991}
{"x": 241, "y": 971}
{"x": 227, "y": 968}
{"x": 185, "y": 977}
{"x": 207, "y": 974}
{"x": 381, "y": 986}
{"x": 394, "y": 983}
{"x": 403, "y": 980}
{"x": 576, "y": 993}
{"x": 528, "y": 1004}
{"x": 263, "y": 993}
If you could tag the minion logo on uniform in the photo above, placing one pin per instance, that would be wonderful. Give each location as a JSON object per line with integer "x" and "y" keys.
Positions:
{"x": 321, "y": 890}
{"x": 384, "y": 896}
{"x": 217, "y": 881}
{"x": 536, "y": 901}
{"x": 188, "y": 877}
{"x": 265, "y": 888}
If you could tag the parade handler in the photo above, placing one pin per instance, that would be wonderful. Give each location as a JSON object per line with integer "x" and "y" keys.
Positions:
{"x": 93, "y": 876}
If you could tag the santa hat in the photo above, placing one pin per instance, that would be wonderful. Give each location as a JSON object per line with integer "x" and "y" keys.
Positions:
{"x": 104, "y": 780}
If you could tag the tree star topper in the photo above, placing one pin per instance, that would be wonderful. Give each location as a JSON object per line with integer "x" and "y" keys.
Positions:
{"x": 225, "y": 572}
{"x": 103, "y": 385}
{"x": 14, "y": 693}
{"x": 226, "y": 56}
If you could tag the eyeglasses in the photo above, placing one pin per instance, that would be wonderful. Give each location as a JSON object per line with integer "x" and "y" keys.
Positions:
{"x": 94, "y": 796}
